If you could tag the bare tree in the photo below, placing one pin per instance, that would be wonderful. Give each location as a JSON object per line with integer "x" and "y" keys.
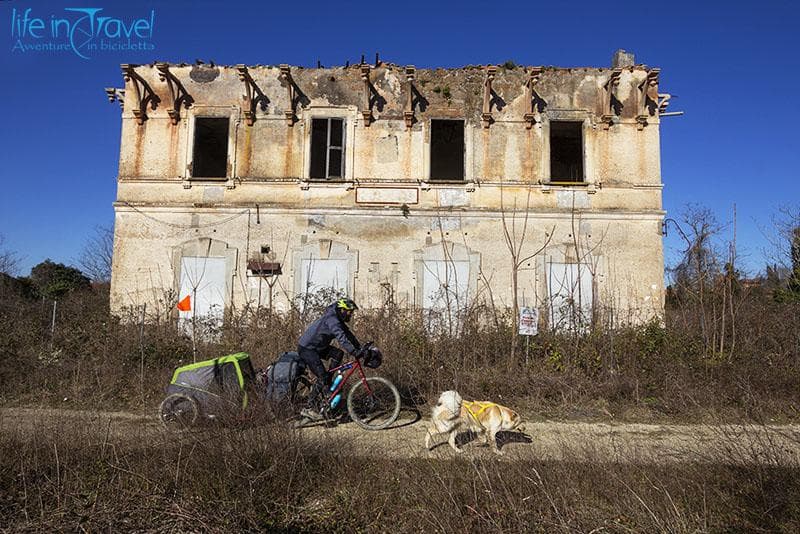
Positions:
{"x": 97, "y": 254}
{"x": 782, "y": 235}
{"x": 785, "y": 243}
{"x": 9, "y": 261}
{"x": 515, "y": 241}
{"x": 700, "y": 262}
{"x": 706, "y": 281}
{"x": 784, "y": 239}
{"x": 794, "y": 278}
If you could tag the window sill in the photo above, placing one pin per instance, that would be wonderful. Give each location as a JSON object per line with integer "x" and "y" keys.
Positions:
{"x": 587, "y": 187}
{"x": 307, "y": 183}
{"x": 192, "y": 181}
{"x": 468, "y": 186}
{"x": 566, "y": 184}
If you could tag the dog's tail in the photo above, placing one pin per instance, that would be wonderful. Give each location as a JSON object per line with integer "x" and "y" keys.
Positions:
{"x": 451, "y": 401}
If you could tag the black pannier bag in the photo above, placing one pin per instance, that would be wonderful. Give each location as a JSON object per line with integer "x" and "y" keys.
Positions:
{"x": 282, "y": 376}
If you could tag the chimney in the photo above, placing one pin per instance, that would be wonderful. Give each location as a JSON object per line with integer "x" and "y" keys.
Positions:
{"x": 622, "y": 59}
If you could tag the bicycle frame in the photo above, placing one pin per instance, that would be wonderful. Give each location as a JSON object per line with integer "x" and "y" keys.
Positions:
{"x": 374, "y": 408}
{"x": 348, "y": 369}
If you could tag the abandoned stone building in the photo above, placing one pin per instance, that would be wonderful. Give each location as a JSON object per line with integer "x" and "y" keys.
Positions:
{"x": 259, "y": 186}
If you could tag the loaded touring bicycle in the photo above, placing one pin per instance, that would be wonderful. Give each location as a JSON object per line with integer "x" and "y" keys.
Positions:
{"x": 220, "y": 388}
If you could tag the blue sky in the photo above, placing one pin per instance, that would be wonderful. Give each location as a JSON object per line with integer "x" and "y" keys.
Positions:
{"x": 734, "y": 67}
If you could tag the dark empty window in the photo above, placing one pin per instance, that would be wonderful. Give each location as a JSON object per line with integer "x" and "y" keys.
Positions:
{"x": 327, "y": 149}
{"x": 447, "y": 150}
{"x": 566, "y": 151}
{"x": 210, "y": 155}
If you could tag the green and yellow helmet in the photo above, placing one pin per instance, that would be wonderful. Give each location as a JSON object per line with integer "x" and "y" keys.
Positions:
{"x": 346, "y": 304}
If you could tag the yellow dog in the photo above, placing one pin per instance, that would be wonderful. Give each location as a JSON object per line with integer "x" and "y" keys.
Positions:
{"x": 452, "y": 415}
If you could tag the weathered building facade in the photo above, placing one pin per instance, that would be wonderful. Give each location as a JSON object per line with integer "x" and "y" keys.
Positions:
{"x": 247, "y": 186}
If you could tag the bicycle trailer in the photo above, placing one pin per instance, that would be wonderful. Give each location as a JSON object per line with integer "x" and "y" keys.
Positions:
{"x": 207, "y": 389}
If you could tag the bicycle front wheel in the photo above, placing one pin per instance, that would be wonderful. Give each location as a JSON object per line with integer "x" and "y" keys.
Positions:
{"x": 373, "y": 405}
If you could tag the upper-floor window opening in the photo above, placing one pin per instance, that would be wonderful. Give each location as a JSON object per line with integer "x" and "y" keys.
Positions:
{"x": 447, "y": 149}
{"x": 327, "y": 149}
{"x": 210, "y": 153}
{"x": 566, "y": 151}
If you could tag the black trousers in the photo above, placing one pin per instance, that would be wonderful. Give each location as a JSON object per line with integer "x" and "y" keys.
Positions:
{"x": 313, "y": 360}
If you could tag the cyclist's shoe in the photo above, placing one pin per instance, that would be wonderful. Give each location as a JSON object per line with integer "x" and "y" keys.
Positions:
{"x": 312, "y": 414}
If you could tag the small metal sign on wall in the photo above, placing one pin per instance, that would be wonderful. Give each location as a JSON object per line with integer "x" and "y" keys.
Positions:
{"x": 528, "y": 321}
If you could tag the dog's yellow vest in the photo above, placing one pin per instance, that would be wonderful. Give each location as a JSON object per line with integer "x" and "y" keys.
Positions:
{"x": 482, "y": 406}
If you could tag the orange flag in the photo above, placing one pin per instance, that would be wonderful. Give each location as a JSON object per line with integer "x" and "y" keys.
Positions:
{"x": 185, "y": 304}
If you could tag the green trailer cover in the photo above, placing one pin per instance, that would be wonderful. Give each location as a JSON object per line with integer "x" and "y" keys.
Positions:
{"x": 226, "y": 371}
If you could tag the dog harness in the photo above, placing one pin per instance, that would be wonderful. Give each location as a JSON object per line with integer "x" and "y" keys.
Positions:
{"x": 476, "y": 408}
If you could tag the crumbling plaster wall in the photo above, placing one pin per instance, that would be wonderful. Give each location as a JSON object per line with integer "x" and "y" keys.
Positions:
{"x": 387, "y": 150}
{"x": 507, "y": 169}
{"x": 627, "y": 275}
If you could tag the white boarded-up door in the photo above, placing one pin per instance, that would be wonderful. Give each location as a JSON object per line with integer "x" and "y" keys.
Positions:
{"x": 445, "y": 285}
{"x": 570, "y": 291}
{"x": 329, "y": 274}
{"x": 203, "y": 279}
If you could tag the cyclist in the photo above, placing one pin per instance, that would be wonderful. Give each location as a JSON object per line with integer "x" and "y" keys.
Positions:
{"x": 315, "y": 345}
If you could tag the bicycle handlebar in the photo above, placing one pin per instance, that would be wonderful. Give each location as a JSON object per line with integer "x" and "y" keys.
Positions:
{"x": 363, "y": 350}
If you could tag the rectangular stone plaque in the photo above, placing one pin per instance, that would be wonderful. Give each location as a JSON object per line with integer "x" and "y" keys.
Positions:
{"x": 449, "y": 198}
{"x": 387, "y": 195}
{"x": 565, "y": 199}
{"x": 213, "y": 194}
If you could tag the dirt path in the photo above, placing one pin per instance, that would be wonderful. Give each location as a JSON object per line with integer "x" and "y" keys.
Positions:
{"x": 549, "y": 440}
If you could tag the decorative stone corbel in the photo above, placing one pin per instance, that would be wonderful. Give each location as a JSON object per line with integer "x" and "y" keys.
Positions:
{"x": 612, "y": 107}
{"x": 115, "y": 94}
{"x": 366, "y": 111}
{"x": 649, "y": 98}
{"x": 144, "y": 93}
{"x": 531, "y": 98}
{"x": 486, "y": 115}
{"x": 286, "y": 76}
{"x": 253, "y": 97}
{"x": 663, "y": 102}
{"x": 178, "y": 95}
{"x": 408, "y": 114}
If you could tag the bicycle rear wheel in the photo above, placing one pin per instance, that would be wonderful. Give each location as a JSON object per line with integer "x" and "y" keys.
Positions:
{"x": 178, "y": 412}
{"x": 374, "y": 408}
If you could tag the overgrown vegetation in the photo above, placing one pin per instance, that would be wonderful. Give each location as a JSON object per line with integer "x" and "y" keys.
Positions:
{"x": 268, "y": 478}
{"x": 87, "y": 358}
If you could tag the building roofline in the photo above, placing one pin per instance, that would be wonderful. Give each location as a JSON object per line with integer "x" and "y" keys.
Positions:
{"x": 393, "y": 66}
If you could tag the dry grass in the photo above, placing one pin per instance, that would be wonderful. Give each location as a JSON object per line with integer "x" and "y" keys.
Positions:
{"x": 269, "y": 478}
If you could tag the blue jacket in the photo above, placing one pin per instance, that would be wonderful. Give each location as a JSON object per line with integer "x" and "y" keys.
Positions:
{"x": 320, "y": 333}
